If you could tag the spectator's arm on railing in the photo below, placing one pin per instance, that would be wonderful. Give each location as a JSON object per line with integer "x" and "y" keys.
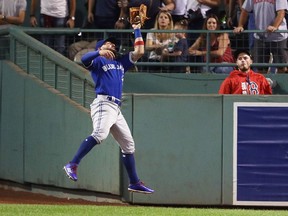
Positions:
{"x": 242, "y": 20}
{"x": 279, "y": 18}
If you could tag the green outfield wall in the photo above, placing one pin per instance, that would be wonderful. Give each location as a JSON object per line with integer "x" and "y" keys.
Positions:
{"x": 183, "y": 140}
{"x": 41, "y": 130}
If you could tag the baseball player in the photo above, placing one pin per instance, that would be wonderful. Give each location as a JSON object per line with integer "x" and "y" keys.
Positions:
{"x": 244, "y": 80}
{"x": 107, "y": 71}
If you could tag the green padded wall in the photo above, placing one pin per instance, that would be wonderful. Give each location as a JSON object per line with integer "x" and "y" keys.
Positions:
{"x": 179, "y": 147}
{"x": 184, "y": 142}
{"x": 12, "y": 128}
{"x": 41, "y": 130}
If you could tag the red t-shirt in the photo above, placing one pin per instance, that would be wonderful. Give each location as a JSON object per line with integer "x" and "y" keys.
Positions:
{"x": 245, "y": 83}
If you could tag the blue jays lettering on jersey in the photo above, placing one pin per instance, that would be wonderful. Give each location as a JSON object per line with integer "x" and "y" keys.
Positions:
{"x": 108, "y": 75}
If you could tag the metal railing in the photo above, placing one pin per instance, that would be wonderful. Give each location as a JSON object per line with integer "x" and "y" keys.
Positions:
{"x": 126, "y": 37}
{"x": 51, "y": 67}
{"x": 69, "y": 77}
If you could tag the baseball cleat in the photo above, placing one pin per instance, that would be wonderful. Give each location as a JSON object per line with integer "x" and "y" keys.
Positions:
{"x": 140, "y": 188}
{"x": 71, "y": 171}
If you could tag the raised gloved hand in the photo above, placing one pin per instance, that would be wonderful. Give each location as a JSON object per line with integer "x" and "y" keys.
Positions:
{"x": 138, "y": 15}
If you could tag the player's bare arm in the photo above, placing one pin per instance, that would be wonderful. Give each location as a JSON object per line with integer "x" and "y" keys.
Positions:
{"x": 138, "y": 44}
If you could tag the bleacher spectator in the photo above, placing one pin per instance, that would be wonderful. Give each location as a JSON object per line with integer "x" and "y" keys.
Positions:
{"x": 233, "y": 16}
{"x": 179, "y": 52}
{"x": 11, "y": 12}
{"x": 244, "y": 80}
{"x": 156, "y": 42}
{"x": 179, "y": 11}
{"x": 103, "y": 14}
{"x": 196, "y": 12}
{"x": 85, "y": 42}
{"x": 54, "y": 14}
{"x": 269, "y": 17}
{"x": 220, "y": 50}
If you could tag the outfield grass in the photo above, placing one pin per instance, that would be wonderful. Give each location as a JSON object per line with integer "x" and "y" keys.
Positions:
{"x": 80, "y": 210}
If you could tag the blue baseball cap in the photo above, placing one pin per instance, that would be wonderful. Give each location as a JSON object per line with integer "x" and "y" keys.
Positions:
{"x": 110, "y": 39}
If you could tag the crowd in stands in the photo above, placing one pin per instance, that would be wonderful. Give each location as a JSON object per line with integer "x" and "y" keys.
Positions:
{"x": 181, "y": 15}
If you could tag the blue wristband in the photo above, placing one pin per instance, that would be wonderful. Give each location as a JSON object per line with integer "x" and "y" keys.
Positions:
{"x": 137, "y": 33}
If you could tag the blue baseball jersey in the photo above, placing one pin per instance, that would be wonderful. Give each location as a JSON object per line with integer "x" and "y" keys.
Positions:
{"x": 108, "y": 74}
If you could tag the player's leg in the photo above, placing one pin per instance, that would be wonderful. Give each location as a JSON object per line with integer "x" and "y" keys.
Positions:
{"x": 120, "y": 131}
{"x": 85, "y": 147}
{"x": 103, "y": 117}
{"x": 122, "y": 134}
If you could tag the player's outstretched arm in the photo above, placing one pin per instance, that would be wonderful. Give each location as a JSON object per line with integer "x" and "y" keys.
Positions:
{"x": 138, "y": 43}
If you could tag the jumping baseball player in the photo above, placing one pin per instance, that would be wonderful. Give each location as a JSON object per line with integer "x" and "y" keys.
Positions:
{"x": 107, "y": 72}
{"x": 244, "y": 80}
